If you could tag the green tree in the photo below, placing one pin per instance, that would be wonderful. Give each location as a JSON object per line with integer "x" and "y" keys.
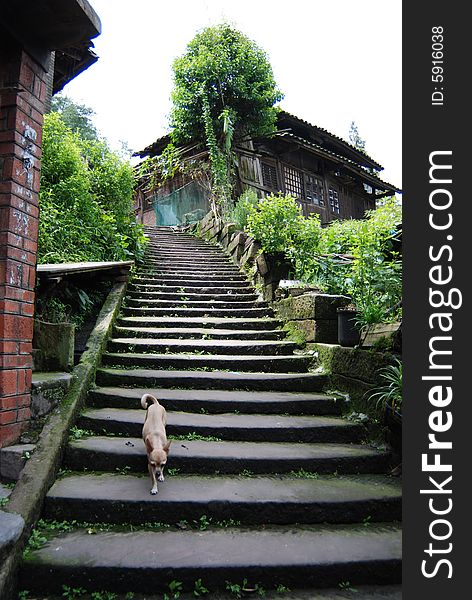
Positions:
{"x": 224, "y": 91}
{"x": 226, "y": 68}
{"x": 85, "y": 199}
{"x": 77, "y": 117}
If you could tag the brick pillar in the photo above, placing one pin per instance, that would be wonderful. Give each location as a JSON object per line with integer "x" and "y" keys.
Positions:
{"x": 22, "y": 97}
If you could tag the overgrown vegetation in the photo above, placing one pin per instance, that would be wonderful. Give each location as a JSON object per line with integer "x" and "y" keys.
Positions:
{"x": 85, "y": 199}
{"x": 353, "y": 257}
{"x": 224, "y": 92}
{"x": 390, "y": 392}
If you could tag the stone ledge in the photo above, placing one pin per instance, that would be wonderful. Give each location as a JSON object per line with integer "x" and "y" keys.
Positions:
{"x": 11, "y": 528}
{"x": 311, "y": 305}
{"x": 13, "y": 459}
{"x": 363, "y": 365}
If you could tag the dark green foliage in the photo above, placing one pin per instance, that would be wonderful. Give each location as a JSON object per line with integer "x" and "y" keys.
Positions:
{"x": 76, "y": 116}
{"x": 371, "y": 273}
{"x": 85, "y": 200}
{"x": 244, "y": 206}
{"x": 224, "y": 91}
{"x": 233, "y": 73}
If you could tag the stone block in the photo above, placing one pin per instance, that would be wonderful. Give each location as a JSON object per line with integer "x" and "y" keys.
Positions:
{"x": 47, "y": 391}
{"x": 353, "y": 363}
{"x": 56, "y": 344}
{"x": 12, "y": 460}
{"x": 11, "y": 528}
{"x": 261, "y": 265}
{"x": 321, "y": 330}
{"x": 207, "y": 220}
{"x": 311, "y": 306}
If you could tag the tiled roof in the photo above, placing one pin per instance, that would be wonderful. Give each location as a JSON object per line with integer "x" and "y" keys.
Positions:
{"x": 339, "y": 140}
{"x": 342, "y": 159}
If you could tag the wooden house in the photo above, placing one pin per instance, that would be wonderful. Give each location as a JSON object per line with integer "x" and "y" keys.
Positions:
{"x": 323, "y": 172}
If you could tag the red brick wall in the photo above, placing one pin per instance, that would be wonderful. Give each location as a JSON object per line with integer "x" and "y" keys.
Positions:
{"x": 22, "y": 98}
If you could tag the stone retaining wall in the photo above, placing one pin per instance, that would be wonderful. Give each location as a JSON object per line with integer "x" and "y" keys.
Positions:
{"x": 352, "y": 370}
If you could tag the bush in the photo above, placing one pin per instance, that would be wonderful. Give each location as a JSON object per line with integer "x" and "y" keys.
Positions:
{"x": 372, "y": 273}
{"x": 85, "y": 200}
{"x": 245, "y": 205}
{"x": 275, "y": 223}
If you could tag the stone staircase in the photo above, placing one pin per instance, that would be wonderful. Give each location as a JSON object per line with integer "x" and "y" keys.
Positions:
{"x": 265, "y": 481}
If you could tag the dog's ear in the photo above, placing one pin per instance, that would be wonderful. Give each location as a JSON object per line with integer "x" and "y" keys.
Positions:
{"x": 167, "y": 446}
{"x": 148, "y": 445}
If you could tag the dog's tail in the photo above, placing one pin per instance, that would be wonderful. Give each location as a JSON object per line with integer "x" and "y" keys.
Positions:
{"x": 148, "y": 399}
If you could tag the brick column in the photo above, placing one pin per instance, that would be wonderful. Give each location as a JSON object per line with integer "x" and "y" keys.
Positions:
{"x": 22, "y": 98}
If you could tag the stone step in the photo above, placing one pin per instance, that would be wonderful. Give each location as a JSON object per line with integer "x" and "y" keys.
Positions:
{"x": 257, "y": 324}
{"x": 199, "y": 264}
{"x": 251, "y": 428}
{"x": 192, "y": 257}
{"x": 195, "y": 279}
{"x": 191, "y": 289}
{"x": 234, "y": 363}
{"x": 220, "y": 401}
{"x": 104, "y": 453}
{"x": 184, "y": 253}
{"x": 250, "y": 500}
{"x": 208, "y": 346}
{"x": 180, "y": 271}
{"x": 193, "y": 333}
{"x": 208, "y": 311}
{"x": 228, "y": 297}
{"x": 186, "y": 282}
{"x": 147, "y": 562}
{"x": 212, "y": 380}
{"x": 152, "y": 303}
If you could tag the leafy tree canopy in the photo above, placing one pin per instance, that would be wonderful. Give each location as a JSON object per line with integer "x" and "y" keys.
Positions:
{"x": 77, "y": 117}
{"x": 227, "y": 72}
{"x": 86, "y": 209}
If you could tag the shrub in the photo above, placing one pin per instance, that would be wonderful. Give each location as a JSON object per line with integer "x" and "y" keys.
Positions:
{"x": 275, "y": 222}
{"x": 85, "y": 200}
{"x": 245, "y": 205}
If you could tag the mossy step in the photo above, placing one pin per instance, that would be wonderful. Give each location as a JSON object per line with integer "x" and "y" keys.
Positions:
{"x": 210, "y": 297}
{"x": 243, "y": 427}
{"x": 195, "y": 333}
{"x": 147, "y": 562}
{"x": 226, "y": 304}
{"x": 220, "y": 401}
{"x": 266, "y": 364}
{"x": 114, "y": 453}
{"x": 258, "y": 324}
{"x": 212, "y": 380}
{"x": 191, "y": 289}
{"x": 207, "y": 311}
{"x": 250, "y": 500}
{"x": 231, "y": 347}
{"x": 187, "y": 281}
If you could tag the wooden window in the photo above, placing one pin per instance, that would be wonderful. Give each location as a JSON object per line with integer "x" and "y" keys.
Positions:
{"x": 333, "y": 200}
{"x": 314, "y": 190}
{"x": 248, "y": 168}
{"x": 269, "y": 176}
{"x": 293, "y": 182}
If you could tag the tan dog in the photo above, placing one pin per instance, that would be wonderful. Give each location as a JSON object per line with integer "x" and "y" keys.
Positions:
{"x": 155, "y": 440}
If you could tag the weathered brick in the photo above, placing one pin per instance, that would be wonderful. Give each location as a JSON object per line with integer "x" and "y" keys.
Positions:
{"x": 11, "y": 432}
{"x": 8, "y": 416}
{"x": 8, "y": 382}
{"x": 24, "y": 414}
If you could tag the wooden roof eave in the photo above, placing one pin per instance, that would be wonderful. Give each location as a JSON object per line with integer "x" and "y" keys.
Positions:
{"x": 371, "y": 180}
